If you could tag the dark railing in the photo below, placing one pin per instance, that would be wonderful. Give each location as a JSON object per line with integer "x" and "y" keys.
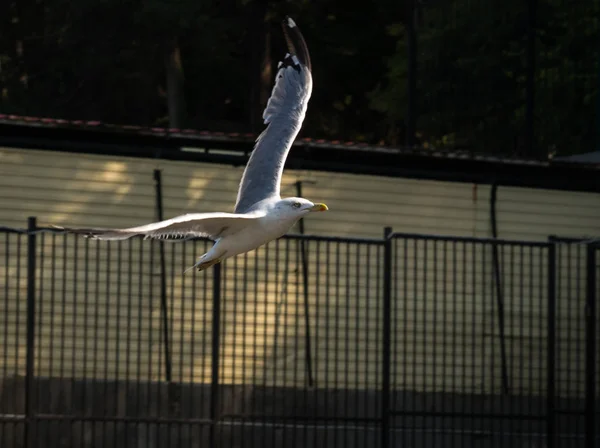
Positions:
{"x": 405, "y": 342}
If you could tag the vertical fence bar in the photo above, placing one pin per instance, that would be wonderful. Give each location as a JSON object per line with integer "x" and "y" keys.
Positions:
{"x": 551, "y": 349}
{"x": 216, "y": 335}
{"x": 411, "y": 43}
{"x": 499, "y": 289}
{"x": 308, "y": 357}
{"x": 387, "y": 340}
{"x": 590, "y": 347}
{"x": 30, "y": 430}
{"x": 163, "y": 279}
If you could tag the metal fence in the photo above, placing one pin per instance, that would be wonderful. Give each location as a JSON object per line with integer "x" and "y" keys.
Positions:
{"x": 407, "y": 340}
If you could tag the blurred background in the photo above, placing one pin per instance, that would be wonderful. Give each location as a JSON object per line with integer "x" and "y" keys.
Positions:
{"x": 448, "y": 299}
{"x": 508, "y": 77}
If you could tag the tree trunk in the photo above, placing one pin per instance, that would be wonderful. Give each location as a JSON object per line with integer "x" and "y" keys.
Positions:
{"x": 262, "y": 72}
{"x": 19, "y": 22}
{"x": 175, "y": 86}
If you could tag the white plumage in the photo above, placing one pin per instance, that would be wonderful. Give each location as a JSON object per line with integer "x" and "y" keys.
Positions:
{"x": 260, "y": 215}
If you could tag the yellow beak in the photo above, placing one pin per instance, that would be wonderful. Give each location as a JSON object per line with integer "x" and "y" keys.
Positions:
{"x": 319, "y": 208}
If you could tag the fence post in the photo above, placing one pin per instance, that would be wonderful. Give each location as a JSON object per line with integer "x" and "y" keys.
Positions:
{"x": 499, "y": 290}
{"x": 216, "y": 344}
{"x": 387, "y": 338}
{"x": 163, "y": 281}
{"x": 30, "y": 424}
{"x": 303, "y": 252}
{"x": 551, "y": 349}
{"x": 590, "y": 347}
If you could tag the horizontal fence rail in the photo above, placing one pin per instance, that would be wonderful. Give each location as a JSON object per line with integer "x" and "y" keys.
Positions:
{"x": 407, "y": 340}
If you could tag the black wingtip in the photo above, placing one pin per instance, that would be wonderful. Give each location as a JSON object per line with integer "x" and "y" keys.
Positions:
{"x": 295, "y": 42}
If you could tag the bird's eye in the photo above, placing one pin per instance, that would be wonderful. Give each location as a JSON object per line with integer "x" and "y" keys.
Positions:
{"x": 296, "y": 205}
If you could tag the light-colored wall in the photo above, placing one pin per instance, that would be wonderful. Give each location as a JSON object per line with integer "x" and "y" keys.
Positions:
{"x": 121, "y": 303}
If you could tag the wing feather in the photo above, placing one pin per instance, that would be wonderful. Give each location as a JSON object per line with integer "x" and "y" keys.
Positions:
{"x": 283, "y": 115}
{"x": 209, "y": 225}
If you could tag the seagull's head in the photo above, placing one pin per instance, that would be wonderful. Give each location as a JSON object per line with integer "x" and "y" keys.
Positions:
{"x": 297, "y": 207}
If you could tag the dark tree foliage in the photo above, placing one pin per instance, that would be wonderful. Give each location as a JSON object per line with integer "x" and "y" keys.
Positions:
{"x": 210, "y": 65}
{"x": 472, "y": 76}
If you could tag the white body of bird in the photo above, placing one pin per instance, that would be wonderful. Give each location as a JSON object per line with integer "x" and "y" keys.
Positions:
{"x": 279, "y": 218}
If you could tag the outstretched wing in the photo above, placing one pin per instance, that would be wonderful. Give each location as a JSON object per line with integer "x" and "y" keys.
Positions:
{"x": 209, "y": 225}
{"x": 283, "y": 115}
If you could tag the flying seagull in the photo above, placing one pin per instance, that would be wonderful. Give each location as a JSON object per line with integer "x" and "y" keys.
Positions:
{"x": 260, "y": 214}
